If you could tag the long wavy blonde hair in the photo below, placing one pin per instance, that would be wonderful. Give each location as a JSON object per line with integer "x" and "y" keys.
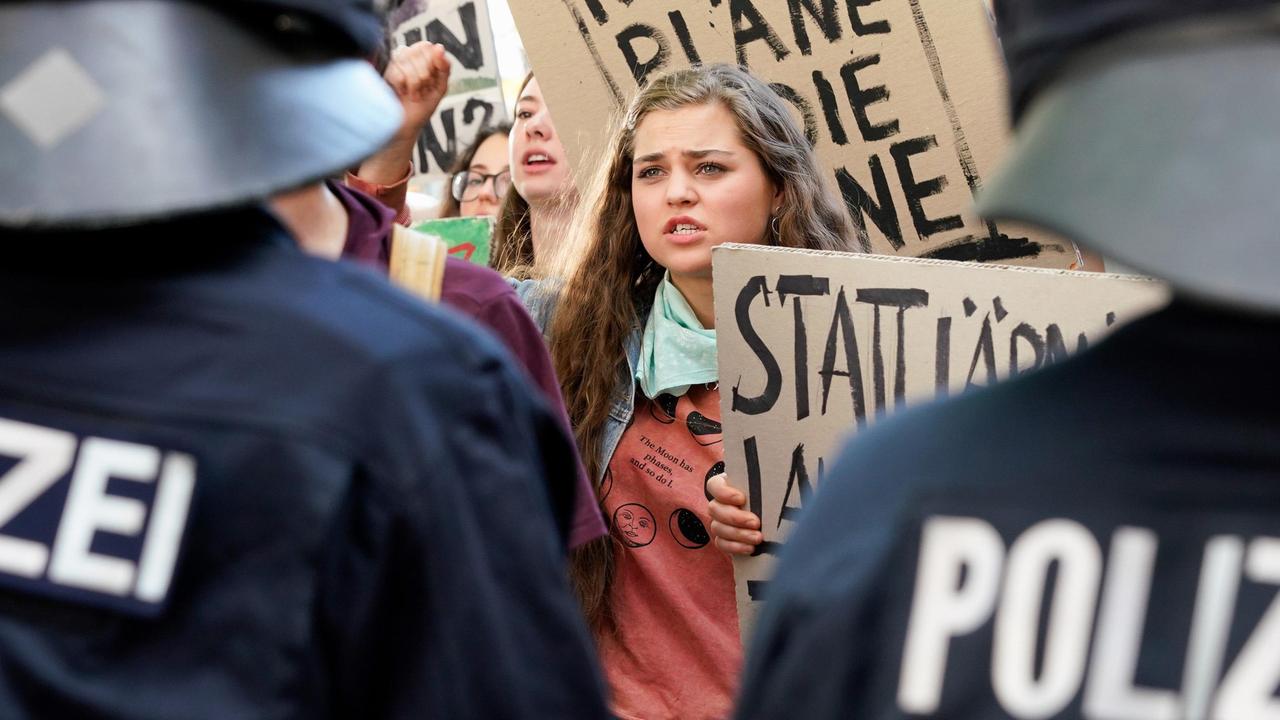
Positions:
{"x": 512, "y": 253}
{"x": 611, "y": 279}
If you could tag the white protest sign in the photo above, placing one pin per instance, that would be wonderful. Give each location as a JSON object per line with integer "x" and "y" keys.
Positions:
{"x": 904, "y": 101}
{"x": 474, "y": 99}
{"x": 813, "y": 346}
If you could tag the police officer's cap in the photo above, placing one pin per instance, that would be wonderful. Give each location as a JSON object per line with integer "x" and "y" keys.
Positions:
{"x": 1147, "y": 129}
{"x": 121, "y": 111}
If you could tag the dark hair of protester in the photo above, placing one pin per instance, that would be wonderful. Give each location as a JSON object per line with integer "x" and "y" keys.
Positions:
{"x": 450, "y": 207}
{"x": 512, "y": 253}
{"x": 611, "y": 290}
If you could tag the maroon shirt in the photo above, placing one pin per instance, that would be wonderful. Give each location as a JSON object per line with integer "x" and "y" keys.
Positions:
{"x": 486, "y": 297}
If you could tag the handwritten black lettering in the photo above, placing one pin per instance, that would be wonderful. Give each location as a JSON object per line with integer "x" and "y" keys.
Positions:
{"x": 842, "y": 329}
{"x": 883, "y": 213}
{"x": 825, "y": 17}
{"x": 597, "y": 11}
{"x": 942, "y": 359}
{"x": 1029, "y": 336}
{"x": 982, "y": 248}
{"x": 985, "y": 351}
{"x": 801, "y": 285}
{"x": 439, "y": 151}
{"x": 916, "y": 192}
{"x": 998, "y": 304}
{"x": 1056, "y": 345}
{"x": 430, "y": 146}
{"x": 827, "y": 98}
{"x": 860, "y": 99}
{"x": 681, "y": 29}
{"x": 789, "y": 94}
{"x": 475, "y": 105}
{"x": 469, "y": 51}
{"x": 880, "y": 27}
{"x": 903, "y": 299}
{"x": 755, "y": 492}
{"x": 753, "y": 29}
{"x": 798, "y": 478}
{"x": 757, "y": 589}
{"x": 655, "y": 59}
{"x": 765, "y": 401}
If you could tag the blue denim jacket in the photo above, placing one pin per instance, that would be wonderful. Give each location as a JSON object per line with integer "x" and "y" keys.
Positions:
{"x": 540, "y": 299}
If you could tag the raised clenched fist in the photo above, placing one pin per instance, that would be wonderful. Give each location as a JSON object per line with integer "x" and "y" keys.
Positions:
{"x": 419, "y": 74}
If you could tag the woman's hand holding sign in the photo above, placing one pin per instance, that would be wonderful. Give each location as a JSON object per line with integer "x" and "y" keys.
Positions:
{"x": 736, "y": 529}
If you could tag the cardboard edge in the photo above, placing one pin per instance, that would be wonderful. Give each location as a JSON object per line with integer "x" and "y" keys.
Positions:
{"x": 730, "y": 248}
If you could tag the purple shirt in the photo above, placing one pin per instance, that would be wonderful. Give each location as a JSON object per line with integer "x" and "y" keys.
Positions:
{"x": 487, "y": 298}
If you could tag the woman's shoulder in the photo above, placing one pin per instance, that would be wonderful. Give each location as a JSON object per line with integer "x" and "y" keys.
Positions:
{"x": 540, "y": 297}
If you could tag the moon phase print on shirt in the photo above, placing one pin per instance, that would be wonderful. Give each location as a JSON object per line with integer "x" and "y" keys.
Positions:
{"x": 663, "y": 408}
{"x": 715, "y": 470}
{"x": 635, "y": 525}
{"x": 606, "y": 485}
{"x": 688, "y": 530}
{"x": 705, "y": 431}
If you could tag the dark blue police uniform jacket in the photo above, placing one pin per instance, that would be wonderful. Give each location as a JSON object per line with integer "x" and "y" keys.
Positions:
{"x": 239, "y": 482}
{"x": 1099, "y": 539}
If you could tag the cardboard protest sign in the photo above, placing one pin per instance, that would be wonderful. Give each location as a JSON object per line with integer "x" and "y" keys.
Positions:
{"x": 814, "y": 346}
{"x": 474, "y": 98}
{"x": 468, "y": 238}
{"x": 903, "y": 100}
{"x": 405, "y": 10}
{"x": 591, "y": 56}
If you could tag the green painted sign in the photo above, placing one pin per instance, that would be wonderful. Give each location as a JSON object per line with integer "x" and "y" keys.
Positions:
{"x": 468, "y": 238}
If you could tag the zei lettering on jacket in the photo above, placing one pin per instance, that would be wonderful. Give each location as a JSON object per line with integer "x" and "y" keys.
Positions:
{"x": 65, "y": 533}
{"x": 968, "y": 580}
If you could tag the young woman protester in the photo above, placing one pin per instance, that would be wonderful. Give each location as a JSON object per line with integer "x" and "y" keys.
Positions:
{"x": 706, "y": 156}
{"x": 534, "y": 217}
{"x": 481, "y": 176}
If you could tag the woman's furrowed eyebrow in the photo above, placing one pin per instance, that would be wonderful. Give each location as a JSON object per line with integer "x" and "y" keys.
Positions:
{"x": 699, "y": 154}
{"x": 691, "y": 154}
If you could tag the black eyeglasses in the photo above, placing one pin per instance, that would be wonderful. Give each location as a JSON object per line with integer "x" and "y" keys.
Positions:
{"x": 466, "y": 185}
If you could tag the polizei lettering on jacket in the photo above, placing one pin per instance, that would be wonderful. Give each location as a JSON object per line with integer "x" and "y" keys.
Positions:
{"x": 91, "y": 520}
{"x": 1078, "y": 636}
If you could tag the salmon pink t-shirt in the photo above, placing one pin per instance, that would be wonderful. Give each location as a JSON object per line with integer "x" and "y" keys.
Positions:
{"x": 676, "y": 652}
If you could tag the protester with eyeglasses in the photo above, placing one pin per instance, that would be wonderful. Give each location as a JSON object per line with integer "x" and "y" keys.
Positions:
{"x": 481, "y": 176}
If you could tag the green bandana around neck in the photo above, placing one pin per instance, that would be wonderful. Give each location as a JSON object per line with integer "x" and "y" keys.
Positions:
{"x": 676, "y": 351}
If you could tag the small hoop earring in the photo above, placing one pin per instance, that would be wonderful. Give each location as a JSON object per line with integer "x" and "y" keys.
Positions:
{"x": 777, "y": 234}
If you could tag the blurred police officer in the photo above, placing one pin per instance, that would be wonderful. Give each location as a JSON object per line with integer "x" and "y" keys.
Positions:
{"x": 237, "y": 482}
{"x": 1101, "y": 539}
